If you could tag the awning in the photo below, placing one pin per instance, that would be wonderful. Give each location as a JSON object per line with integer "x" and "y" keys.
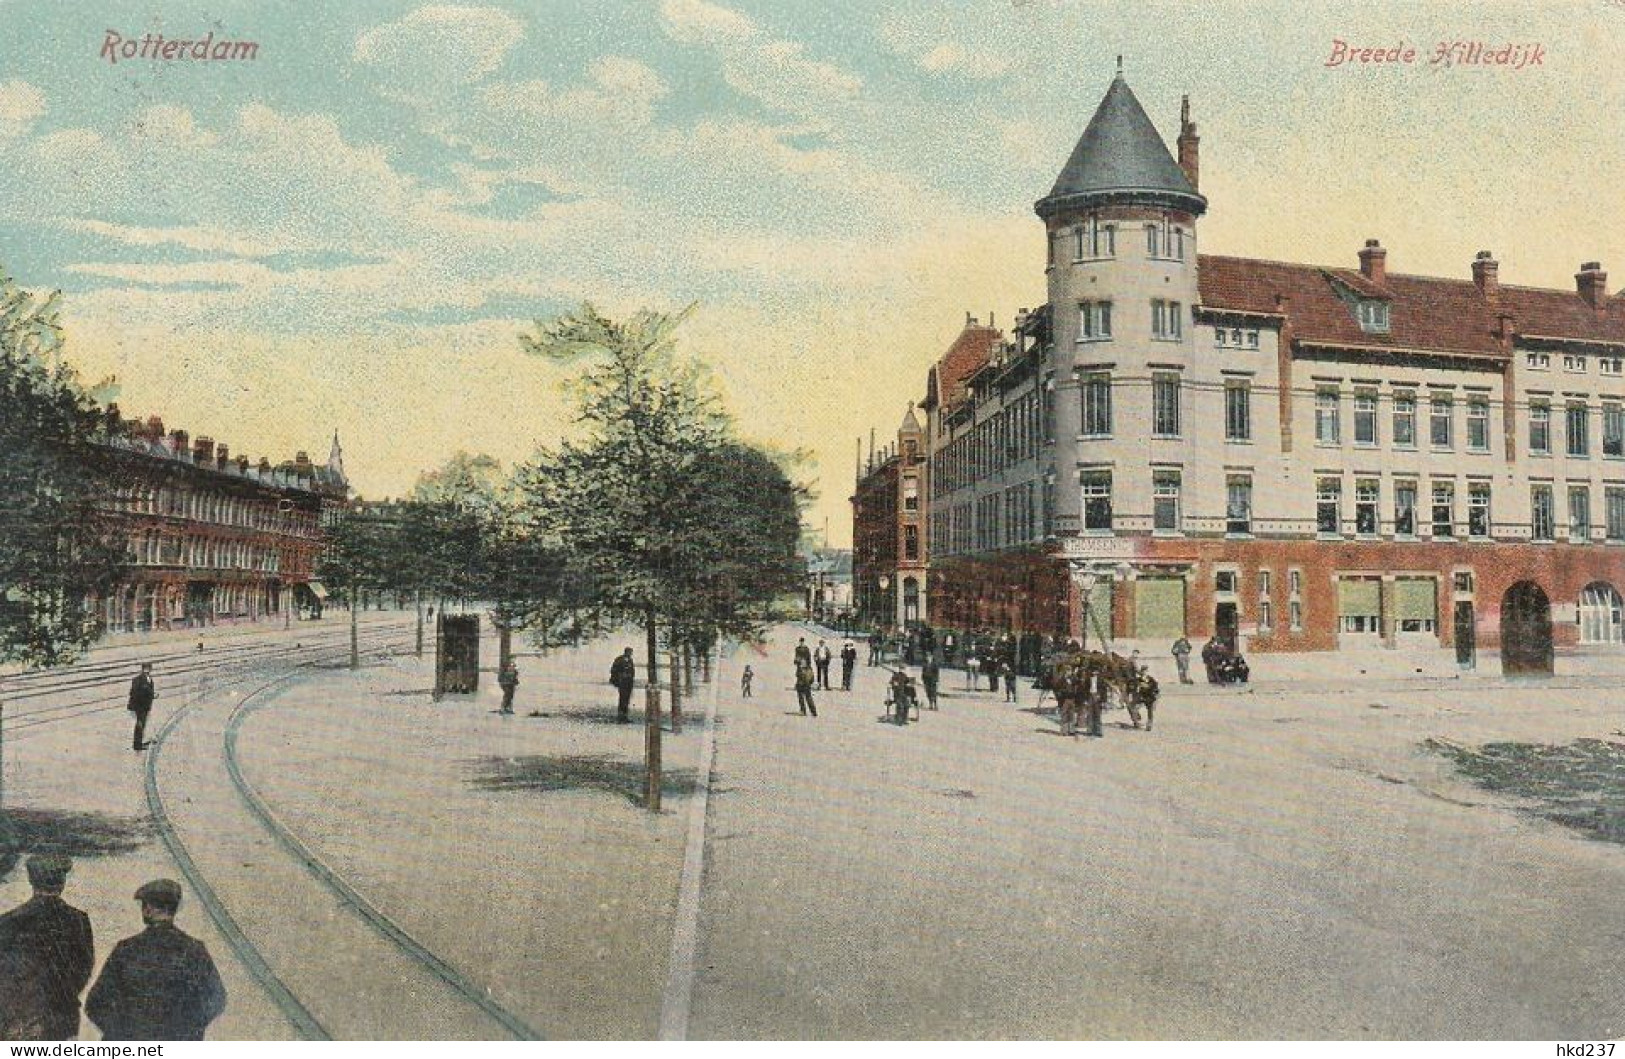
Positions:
{"x": 317, "y": 589}
{"x": 1416, "y": 599}
{"x": 1359, "y": 597}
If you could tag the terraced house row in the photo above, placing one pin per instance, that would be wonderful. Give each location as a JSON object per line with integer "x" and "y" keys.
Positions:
{"x": 1292, "y": 457}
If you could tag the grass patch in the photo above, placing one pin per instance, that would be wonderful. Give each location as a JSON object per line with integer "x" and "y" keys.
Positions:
{"x": 581, "y": 772}
{"x": 1581, "y": 785}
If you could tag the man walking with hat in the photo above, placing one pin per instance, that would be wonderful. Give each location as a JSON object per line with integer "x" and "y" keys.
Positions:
{"x": 141, "y": 695}
{"x": 159, "y": 985}
{"x": 46, "y": 955}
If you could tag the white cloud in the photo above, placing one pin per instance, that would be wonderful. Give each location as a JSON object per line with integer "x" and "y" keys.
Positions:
{"x": 439, "y": 46}
{"x": 622, "y": 94}
{"x": 772, "y": 71}
{"x": 172, "y": 127}
{"x": 698, "y": 22}
{"x": 191, "y": 237}
{"x": 974, "y": 50}
{"x": 21, "y": 104}
{"x": 951, "y": 58}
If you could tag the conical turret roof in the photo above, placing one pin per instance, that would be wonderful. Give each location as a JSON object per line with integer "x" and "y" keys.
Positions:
{"x": 1120, "y": 158}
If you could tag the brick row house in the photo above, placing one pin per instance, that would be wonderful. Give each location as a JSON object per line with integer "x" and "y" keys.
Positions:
{"x": 1292, "y": 457}
{"x": 213, "y": 539}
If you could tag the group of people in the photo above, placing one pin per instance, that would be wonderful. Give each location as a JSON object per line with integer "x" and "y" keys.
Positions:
{"x": 812, "y": 672}
{"x": 158, "y": 985}
{"x": 1224, "y": 665}
{"x": 1082, "y": 680}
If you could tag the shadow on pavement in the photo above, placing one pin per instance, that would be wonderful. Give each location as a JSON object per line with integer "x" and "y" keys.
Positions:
{"x": 26, "y": 831}
{"x": 600, "y": 772}
{"x": 1581, "y": 785}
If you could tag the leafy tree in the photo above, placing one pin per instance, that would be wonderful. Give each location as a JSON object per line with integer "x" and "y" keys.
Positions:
{"x": 676, "y": 525}
{"x": 58, "y": 550}
{"x": 621, "y": 495}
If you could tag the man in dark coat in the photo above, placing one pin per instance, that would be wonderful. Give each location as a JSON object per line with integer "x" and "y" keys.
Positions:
{"x": 159, "y": 985}
{"x": 804, "y": 688}
{"x": 849, "y": 662}
{"x": 46, "y": 956}
{"x": 141, "y": 695}
{"x": 623, "y": 674}
{"x": 930, "y": 675}
{"x": 508, "y": 681}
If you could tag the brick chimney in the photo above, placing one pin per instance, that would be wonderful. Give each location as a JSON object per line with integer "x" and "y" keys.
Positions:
{"x": 179, "y": 441}
{"x": 301, "y": 464}
{"x": 1592, "y": 283}
{"x": 1374, "y": 262}
{"x": 155, "y": 429}
{"x": 242, "y": 464}
{"x": 264, "y": 466}
{"x": 222, "y": 456}
{"x": 1485, "y": 269}
{"x": 1189, "y": 143}
{"x": 203, "y": 451}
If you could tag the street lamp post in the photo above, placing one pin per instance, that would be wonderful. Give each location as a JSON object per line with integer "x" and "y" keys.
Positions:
{"x": 1085, "y": 578}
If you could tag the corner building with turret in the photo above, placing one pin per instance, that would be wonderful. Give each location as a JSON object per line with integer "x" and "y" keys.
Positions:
{"x": 1291, "y": 457}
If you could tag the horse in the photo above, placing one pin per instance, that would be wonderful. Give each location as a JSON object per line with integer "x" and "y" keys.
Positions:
{"x": 1069, "y": 675}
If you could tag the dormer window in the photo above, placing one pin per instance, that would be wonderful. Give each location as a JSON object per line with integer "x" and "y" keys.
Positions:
{"x": 1373, "y": 315}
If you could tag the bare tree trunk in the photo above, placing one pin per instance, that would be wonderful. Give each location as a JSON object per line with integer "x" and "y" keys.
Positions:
{"x": 504, "y": 644}
{"x": 355, "y": 633}
{"x": 676, "y": 687}
{"x": 688, "y": 669}
{"x": 651, "y": 718}
{"x": 420, "y": 622}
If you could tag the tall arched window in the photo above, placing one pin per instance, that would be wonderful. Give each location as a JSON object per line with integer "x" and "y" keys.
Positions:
{"x": 1602, "y": 614}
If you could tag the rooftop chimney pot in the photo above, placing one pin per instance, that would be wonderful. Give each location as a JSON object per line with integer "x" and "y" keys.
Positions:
{"x": 1592, "y": 283}
{"x": 1374, "y": 262}
{"x": 1486, "y": 274}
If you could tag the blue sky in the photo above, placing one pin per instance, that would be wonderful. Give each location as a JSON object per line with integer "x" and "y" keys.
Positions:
{"x": 349, "y": 231}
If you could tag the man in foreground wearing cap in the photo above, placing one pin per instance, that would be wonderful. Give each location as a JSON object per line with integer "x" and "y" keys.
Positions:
{"x": 46, "y": 955}
{"x": 159, "y": 985}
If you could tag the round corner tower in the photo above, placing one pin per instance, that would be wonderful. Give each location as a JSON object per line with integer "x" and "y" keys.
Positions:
{"x": 1122, "y": 281}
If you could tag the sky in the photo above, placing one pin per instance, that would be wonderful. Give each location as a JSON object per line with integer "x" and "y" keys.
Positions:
{"x": 350, "y": 231}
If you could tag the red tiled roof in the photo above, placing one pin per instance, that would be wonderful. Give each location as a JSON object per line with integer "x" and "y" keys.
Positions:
{"x": 1425, "y": 312}
{"x": 970, "y": 351}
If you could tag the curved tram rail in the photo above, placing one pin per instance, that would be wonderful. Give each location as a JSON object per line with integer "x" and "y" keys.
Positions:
{"x": 293, "y": 1009}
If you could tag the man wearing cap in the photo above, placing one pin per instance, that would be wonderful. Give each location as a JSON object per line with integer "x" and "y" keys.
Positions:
{"x": 46, "y": 955}
{"x": 159, "y": 985}
{"x": 141, "y": 695}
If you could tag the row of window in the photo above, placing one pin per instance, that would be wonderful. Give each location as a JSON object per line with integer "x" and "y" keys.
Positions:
{"x": 1576, "y": 363}
{"x": 1166, "y": 406}
{"x": 194, "y": 552}
{"x": 1441, "y": 419}
{"x": 1226, "y": 588}
{"x": 1014, "y": 434}
{"x": 1094, "y": 239}
{"x": 1167, "y": 515}
{"x": 1167, "y": 321}
{"x": 212, "y": 507}
{"x": 998, "y": 520}
{"x": 1367, "y": 521}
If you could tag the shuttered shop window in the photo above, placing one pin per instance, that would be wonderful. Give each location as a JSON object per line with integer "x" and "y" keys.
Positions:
{"x": 1159, "y": 607}
{"x": 1359, "y": 596}
{"x": 1416, "y": 599}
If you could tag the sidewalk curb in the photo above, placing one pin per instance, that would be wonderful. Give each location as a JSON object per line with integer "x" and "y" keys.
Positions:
{"x": 685, "y": 935}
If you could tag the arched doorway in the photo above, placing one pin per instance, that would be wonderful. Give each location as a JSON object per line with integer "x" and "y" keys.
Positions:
{"x": 1526, "y": 630}
{"x": 1602, "y": 614}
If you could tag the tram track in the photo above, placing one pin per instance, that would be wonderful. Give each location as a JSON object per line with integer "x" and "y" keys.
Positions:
{"x": 18, "y": 721}
{"x": 302, "y": 1013}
